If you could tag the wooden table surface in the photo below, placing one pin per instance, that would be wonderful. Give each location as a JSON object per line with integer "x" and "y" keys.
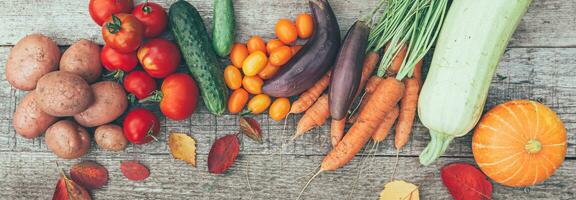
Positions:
{"x": 540, "y": 64}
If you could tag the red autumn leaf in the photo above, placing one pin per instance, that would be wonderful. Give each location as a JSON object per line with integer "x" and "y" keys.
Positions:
{"x": 89, "y": 174}
{"x": 223, "y": 154}
{"x": 251, "y": 128}
{"x": 67, "y": 189}
{"x": 134, "y": 170}
{"x": 466, "y": 182}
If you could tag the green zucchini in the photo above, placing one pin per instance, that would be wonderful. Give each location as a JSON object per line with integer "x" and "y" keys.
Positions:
{"x": 191, "y": 36}
{"x": 471, "y": 42}
{"x": 223, "y": 26}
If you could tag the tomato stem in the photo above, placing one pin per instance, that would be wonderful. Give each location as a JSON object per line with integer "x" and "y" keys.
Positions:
{"x": 114, "y": 27}
{"x": 115, "y": 75}
{"x": 155, "y": 97}
{"x": 150, "y": 133}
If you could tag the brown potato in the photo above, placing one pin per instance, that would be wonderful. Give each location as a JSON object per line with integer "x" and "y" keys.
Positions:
{"x": 110, "y": 102}
{"x": 29, "y": 120}
{"x": 67, "y": 139}
{"x": 83, "y": 59}
{"x": 110, "y": 137}
{"x": 31, "y": 58}
{"x": 63, "y": 94}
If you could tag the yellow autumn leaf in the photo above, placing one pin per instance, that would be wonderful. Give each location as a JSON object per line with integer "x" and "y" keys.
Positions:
{"x": 183, "y": 147}
{"x": 400, "y": 190}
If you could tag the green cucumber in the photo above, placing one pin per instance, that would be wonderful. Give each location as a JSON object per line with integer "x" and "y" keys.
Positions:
{"x": 191, "y": 36}
{"x": 223, "y": 26}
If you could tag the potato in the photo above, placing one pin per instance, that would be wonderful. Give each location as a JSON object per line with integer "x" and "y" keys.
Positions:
{"x": 63, "y": 94}
{"x": 31, "y": 58}
{"x": 110, "y": 102}
{"x": 29, "y": 120}
{"x": 67, "y": 139}
{"x": 110, "y": 137}
{"x": 83, "y": 59}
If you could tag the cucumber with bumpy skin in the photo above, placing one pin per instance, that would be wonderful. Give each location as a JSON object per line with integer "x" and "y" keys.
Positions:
{"x": 188, "y": 29}
{"x": 223, "y": 26}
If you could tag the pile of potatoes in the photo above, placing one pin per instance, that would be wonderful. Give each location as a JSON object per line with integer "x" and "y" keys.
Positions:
{"x": 65, "y": 96}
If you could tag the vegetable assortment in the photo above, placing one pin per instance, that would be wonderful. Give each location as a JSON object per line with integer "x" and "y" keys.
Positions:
{"x": 351, "y": 82}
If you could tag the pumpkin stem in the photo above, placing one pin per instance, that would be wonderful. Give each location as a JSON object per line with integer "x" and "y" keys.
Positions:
{"x": 438, "y": 144}
{"x": 533, "y": 146}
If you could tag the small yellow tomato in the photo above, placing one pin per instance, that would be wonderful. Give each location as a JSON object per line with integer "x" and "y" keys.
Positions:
{"x": 279, "y": 109}
{"x": 233, "y": 77}
{"x": 269, "y": 71}
{"x": 259, "y": 103}
{"x": 253, "y": 84}
{"x": 254, "y": 63}
{"x": 237, "y": 101}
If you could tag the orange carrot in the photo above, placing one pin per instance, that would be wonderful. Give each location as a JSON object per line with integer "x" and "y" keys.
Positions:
{"x": 383, "y": 100}
{"x": 337, "y": 126}
{"x": 407, "y": 112}
{"x": 417, "y": 74}
{"x": 384, "y": 127}
{"x": 337, "y": 130}
{"x": 397, "y": 60}
{"x": 370, "y": 87}
{"x": 311, "y": 95}
{"x": 314, "y": 117}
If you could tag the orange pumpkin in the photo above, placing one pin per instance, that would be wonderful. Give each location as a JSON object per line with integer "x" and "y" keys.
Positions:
{"x": 519, "y": 143}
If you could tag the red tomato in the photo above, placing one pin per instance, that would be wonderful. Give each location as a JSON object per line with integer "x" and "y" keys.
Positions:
{"x": 116, "y": 61}
{"x": 100, "y": 10}
{"x": 123, "y": 32}
{"x": 153, "y": 17}
{"x": 179, "y": 96}
{"x": 140, "y": 84}
{"x": 141, "y": 126}
{"x": 159, "y": 57}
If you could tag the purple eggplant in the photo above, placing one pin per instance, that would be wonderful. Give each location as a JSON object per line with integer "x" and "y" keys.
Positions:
{"x": 315, "y": 58}
{"x": 347, "y": 71}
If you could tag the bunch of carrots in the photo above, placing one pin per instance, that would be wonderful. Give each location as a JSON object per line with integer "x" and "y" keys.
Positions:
{"x": 407, "y": 30}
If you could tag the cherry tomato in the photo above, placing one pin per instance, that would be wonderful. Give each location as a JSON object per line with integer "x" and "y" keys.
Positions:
{"x": 123, "y": 32}
{"x": 140, "y": 84}
{"x": 305, "y": 25}
{"x": 280, "y": 56}
{"x": 179, "y": 96}
{"x": 159, "y": 57}
{"x": 273, "y": 44}
{"x": 256, "y": 43}
{"x": 286, "y": 31}
{"x": 117, "y": 61}
{"x": 259, "y": 103}
{"x": 233, "y": 77}
{"x": 253, "y": 84}
{"x": 238, "y": 53}
{"x": 254, "y": 63}
{"x": 153, "y": 17}
{"x": 100, "y": 10}
{"x": 279, "y": 109}
{"x": 269, "y": 71}
{"x": 141, "y": 126}
{"x": 237, "y": 101}
{"x": 295, "y": 49}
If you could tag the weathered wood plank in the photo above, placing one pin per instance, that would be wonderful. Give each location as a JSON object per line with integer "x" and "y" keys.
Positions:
{"x": 544, "y": 74}
{"x": 33, "y": 176}
{"x": 547, "y": 23}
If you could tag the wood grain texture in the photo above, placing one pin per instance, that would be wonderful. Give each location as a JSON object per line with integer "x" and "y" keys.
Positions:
{"x": 540, "y": 65}
{"x": 269, "y": 178}
{"x": 547, "y": 23}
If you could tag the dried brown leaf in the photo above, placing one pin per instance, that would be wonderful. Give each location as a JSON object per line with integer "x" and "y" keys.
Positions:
{"x": 251, "y": 128}
{"x": 183, "y": 147}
